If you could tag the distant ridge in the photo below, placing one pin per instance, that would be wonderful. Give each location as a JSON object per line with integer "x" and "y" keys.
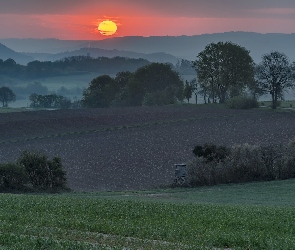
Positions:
{"x": 179, "y": 46}
{"x": 96, "y": 52}
{"x": 6, "y": 53}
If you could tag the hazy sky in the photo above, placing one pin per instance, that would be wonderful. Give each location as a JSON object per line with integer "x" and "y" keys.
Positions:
{"x": 78, "y": 19}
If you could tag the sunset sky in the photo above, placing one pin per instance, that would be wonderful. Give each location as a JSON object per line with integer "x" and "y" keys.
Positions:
{"x": 78, "y": 19}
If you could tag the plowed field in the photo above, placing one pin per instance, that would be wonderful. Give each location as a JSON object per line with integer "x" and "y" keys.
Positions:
{"x": 134, "y": 148}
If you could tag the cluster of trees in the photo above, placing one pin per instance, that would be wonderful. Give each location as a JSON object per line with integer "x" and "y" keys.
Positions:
{"x": 70, "y": 66}
{"x": 6, "y": 96}
{"x": 10, "y": 68}
{"x": 33, "y": 171}
{"x": 226, "y": 70}
{"x": 153, "y": 84}
{"x": 52, "y": 101}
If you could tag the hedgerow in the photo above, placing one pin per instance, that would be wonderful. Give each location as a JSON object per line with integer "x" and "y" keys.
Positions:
{"x": 241, "y": 163}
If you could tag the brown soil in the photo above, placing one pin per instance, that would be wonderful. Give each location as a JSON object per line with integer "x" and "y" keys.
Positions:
{"x": 134, "y": 148}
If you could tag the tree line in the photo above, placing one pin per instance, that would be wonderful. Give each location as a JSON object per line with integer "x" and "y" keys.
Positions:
{"x": 224, "y": 71}
{"x": 69, "y": 66}
{"x": 153, "y": 84}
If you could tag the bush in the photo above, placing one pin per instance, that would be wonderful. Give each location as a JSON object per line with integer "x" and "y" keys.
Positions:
{"x": 43, "y": 174}
{"x": 241, "y": 163}
{"x": 244, "y": 164}
{"x": 200, "y": 172}
{"x": 211, "y": 152}
{"x": 242, "y": 103}
{"x": 12, "y": 177}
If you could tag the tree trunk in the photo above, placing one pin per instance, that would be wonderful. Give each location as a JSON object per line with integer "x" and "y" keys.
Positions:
{"x": 222, "y": 96}
{"x": 196, "y": 98}
{"x": 274, "y": 103}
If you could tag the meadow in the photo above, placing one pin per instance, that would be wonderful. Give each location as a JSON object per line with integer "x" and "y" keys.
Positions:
{"x": 245, "y": 216}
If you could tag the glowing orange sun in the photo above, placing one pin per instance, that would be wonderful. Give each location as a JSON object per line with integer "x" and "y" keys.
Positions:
{"x": 107, "y": 28}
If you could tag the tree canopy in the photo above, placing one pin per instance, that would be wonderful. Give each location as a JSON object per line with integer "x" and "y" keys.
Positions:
{"x": 154, "y": 84}
{"x": 6, "y": 96}
{"x": 49, "y": 101}
{"x": 69, "y": 66}
{"x": 274, "y": 74}
{"x": 224, "y": 70}
{"x": 100, "y": 92}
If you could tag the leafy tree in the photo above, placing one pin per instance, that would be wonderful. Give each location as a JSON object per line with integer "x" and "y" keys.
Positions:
{"x": 187, "y": 91}
{"x": 122, "y": 78}
{"x": 49, "y": 101}
{"x": 224, "y": 69}
{"x": 211, "y": 152}
{"x": 12, "y": 177}
{"x": 156, "y": 77}
{"x": 100, "y": 92}
{"x": 274, "y": 74}
{"x": 9, "y": 62}
{"x": 185, "y": 67}
{"x": 195, "y": 88}
{"x": 43, "y": 173}
{"x": 6, "y": 96}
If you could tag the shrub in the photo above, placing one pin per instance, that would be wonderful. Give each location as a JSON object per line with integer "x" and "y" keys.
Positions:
{"x": 200, "y": 172}
{"x": 244, "y": 164}
{"x": 44, "y": 174}
{"x": 211, "y": 152}
{"x": 242, "y": 103}
{"x": 241, "y": 163}
{"x": 272, "y": 158}
{"x": 12, "y": 177}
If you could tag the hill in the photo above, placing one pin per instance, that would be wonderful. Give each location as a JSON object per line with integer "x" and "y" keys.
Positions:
{"x": 186, "y": 47}
{"x": 96, "y": 52}
{"x": 6, "y": 53}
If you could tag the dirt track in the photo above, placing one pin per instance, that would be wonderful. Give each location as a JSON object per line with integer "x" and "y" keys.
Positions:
{"x": 134, "y": 148}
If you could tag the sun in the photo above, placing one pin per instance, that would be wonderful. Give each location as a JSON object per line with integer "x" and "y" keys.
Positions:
{"x": 107, "y": 28}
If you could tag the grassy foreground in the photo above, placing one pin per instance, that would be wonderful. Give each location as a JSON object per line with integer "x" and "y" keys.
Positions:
{"x": 234, "y": 216}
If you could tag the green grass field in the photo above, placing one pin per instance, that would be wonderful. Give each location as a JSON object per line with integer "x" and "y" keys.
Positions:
{"x": 245, "y": 216}
{"x": 284, "y": 104}
{"x": 10, "y": 110}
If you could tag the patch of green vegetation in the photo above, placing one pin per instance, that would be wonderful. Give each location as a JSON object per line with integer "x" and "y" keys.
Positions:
{"x": 10, "y": 110}
{"x": 283, "y": 104}
{"x": 249, "y": 216}
{"x": 271, "y": 193}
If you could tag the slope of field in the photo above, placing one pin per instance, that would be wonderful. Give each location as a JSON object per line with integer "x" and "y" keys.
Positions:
{"x": 134, "y": 148}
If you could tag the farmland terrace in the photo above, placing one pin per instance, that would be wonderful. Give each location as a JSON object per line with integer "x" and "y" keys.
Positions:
{"x": 134, "y": 148}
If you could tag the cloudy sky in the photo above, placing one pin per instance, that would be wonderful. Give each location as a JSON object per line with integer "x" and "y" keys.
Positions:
{"x": 78, "y": 19}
